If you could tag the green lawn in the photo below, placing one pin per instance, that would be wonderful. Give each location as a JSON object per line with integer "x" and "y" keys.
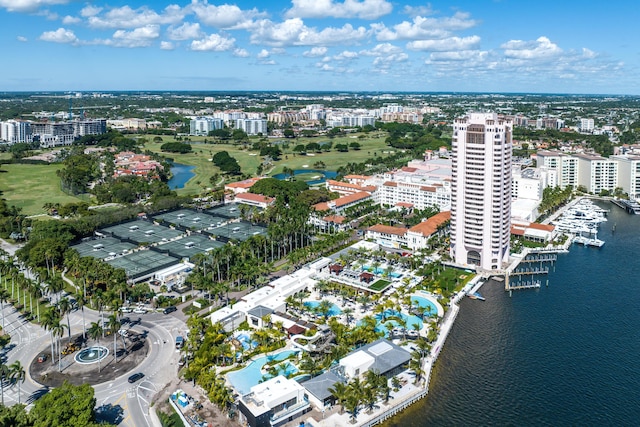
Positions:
{"x": 379, "y": 285}
{"x": 249, "y": 160}
{"x": 31, "y": 186}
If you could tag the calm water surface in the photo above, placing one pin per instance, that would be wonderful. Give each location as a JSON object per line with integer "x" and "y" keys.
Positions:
{"x": 566, "y": 354}
{"x": 180, "y": 175}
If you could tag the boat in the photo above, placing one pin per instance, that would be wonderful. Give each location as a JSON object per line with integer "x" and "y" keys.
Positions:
{"x": 476, "y": 295}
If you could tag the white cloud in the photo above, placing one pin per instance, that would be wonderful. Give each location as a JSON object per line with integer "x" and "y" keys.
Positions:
{"x": 28, "y": 5}
{"x": 418, "y": 10}
{"x": 363, "y": 9}
{"x": 90, "y": 10}
{"x": 382, "y": 49}
{"x": 22, "y": 39}
{"x": 426, "y": 28}
{"x": 315, "y": 51}
{"x": 185, "y": 31}
{"x": 240, "y": 53}
{"x": 126, "y": 17}
{"x": 267, "y": 62}
{"x": 461, "y": 55}
{"x": 48, "y": 15}
{"x": 70, "y": 20}
{"x": 61, "y": 35}
{"x": 140, "y": 37}
{"x": 293, "y": 32}
{"x": 346, "y": 55}
{"x": 540, "y": 48}
{"x": 225, "y": 16}
{"x": 164, "y": 45}
{"x": 214, "y": 42}
{"x": 264, "y": 53}
{"x": 448, "y": 44}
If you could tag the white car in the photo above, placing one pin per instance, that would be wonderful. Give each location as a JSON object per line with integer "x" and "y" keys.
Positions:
{"x": 123, "y": 332}
{"x": 126, "y": 309}
{"x": 140, "y": 310}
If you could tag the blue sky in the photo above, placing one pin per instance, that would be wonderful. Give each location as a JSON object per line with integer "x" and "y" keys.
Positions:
{"x": 560, "y": 46}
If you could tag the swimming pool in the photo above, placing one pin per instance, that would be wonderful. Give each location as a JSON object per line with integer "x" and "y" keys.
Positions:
{"x": 247, "y": 377}
{"x": 334, "y": 310}
{"x": 430, "y": 308}
{"x": 380, "y": 271}
{"x": 384, "y": 319}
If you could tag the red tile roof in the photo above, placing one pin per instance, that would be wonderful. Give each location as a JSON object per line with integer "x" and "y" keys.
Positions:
{"x": 387, "y": 229}
{"x": 254, "y": 198}
{"x": 430, "y": 226}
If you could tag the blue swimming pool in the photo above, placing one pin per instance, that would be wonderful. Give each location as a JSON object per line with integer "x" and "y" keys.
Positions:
{"x": 251, "y": 375}
{"x": 384, "y": 319}
{"x": 380, "y": 271}
{"x": 334, "y": 310}
{"x": 431, "y": 309}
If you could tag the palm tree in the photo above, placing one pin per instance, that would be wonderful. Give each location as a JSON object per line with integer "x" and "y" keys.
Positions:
{"x": 95, "y": 332}
{"x": 113, "y": 325}
{"x": 57, "y": 330}
{"x": 18, "y": 374}
{"x": 49, "y": 319}
{"x": 64, "y": 305}
{"x": 4, "y": 297}
{"x": 340, "y": 391}
{"x": 5, "y": 371}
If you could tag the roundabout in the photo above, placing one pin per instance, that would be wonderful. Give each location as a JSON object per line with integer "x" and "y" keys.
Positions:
{"x": 94, "y": 364}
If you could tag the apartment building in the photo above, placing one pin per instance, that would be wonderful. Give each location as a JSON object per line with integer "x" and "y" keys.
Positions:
{"x": 201, "y": 126}
{"x": 629, "y": 174}
{"x": 597, "y": 173}
{"x": 252, "y": 126}
{"x": 481, "y": 190}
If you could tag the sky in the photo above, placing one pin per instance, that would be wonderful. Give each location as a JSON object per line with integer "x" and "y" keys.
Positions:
{"x": 559, "y": 46}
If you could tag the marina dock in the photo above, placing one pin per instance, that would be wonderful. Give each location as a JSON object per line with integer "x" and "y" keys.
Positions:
{"x": 631, "y": 206}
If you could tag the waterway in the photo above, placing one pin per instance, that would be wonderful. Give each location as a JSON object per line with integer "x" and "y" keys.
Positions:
{"x": 566, "y": 354}
{"x": 180, "y": 175}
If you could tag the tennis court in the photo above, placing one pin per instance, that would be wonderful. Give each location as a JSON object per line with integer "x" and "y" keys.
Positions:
{"x": 140, "y": 231}
{"x": 143, "y": 263}
{"x": 229, "y": 210}
{"x": 191, "y": 219}
{"x": 189, "y": 246}
{"x": 242, "y": 231}
{"x": 103, "y": 248}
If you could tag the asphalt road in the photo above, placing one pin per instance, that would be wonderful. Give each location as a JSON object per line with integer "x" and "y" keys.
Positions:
{"x": 126, "y": 404}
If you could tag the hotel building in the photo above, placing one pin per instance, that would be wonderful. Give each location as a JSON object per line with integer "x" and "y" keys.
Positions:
{"x": 481, "y": 190}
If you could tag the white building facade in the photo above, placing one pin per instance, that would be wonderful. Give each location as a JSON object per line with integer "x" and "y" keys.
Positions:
{"x": 252, "y": 126}
{"x": 203, "y": 125}
{"x": 481, "y": 190}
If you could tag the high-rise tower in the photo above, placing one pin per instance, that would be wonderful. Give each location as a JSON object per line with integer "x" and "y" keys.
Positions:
{"x": 481, "y": 191}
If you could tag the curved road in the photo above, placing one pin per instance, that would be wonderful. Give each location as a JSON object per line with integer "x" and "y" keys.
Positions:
{"x": 160, "y": 365}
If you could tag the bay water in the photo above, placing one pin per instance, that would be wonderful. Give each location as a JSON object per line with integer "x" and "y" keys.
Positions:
{"x": 565, "y": 354}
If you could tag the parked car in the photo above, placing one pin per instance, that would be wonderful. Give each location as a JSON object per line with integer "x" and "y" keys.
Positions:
{"x": 126, "y": 309}
{"x": 139, "y": 310}
{"x": 170, "y": 309}
{"x": 135, "y": 377}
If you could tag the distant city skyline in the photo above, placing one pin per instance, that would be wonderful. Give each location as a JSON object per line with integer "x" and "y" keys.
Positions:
{"x": 321, "y": 45}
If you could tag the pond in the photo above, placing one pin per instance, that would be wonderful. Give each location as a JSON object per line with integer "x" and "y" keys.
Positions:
{"x": 318, "y": 176}
{"x": 180, "y": 175}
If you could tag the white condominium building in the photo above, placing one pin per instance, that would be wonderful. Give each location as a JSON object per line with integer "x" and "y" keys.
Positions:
{"x": 15, "y": 131}
{"x": 597, "y": 173}
{"x": 629, "y": 174}
{"x": 252, "y": 126}
{"x": 481, "y": 190}
{"x": 565, "y": 165}
{"x": 203, "y": 125}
